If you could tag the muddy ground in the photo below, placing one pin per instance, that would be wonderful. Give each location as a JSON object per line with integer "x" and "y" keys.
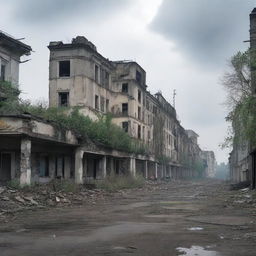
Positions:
{"x": 176, "y": 218}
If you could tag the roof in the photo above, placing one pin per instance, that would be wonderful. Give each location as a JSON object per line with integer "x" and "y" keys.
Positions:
{"x": 9, "y": 42}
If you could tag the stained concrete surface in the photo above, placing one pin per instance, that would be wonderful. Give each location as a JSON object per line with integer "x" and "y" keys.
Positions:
{"x": 159, "y": 222}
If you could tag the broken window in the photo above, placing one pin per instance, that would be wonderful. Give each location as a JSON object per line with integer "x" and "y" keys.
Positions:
{"x": 138, "y": 77}
{"x": 139, "y": 132}
{"x": 125, "y": 87}
{"x": 102, "y": 104}
{"x": 139, "y": 96}
{"x": 96, "y": 74}
{"x": 2, "y": 78}
{"x": 139, "y": 113}
{"x": 125, "y": 108}
{"x": 63, "y": 99}
{"x": 125, "y": 126}
{"x": 64, "y": 68}
{"x": 96, "y": 101}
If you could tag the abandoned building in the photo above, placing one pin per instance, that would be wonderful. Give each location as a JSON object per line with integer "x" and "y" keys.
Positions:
{"x": 33, "y": 150}
{"x": 242, "y": 159}
{"x": 211, "y": 164}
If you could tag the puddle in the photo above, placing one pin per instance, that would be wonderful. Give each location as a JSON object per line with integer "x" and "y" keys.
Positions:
{"x": 196, "y": 251}
{"x": 195, "y": 229}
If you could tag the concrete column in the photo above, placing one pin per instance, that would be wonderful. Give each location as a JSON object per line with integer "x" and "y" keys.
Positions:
{"x": 52, "y": 166}
{"x": 103, "y": 166}
{"x": 156, "y": 174}
{"x": 79, "y": 166}
{"x": 133, "y": 166}
{"x": 25, "y": 162}
{"x": 60, "y": 166}
{"x": 67, "y": 167}
{"x": 146, "y": 169}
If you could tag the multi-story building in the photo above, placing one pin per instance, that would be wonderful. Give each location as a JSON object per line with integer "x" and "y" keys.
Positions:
{"x": 80, "y": 76}
{"x": 10, "y": 52}
{"x": 34, "y": 150}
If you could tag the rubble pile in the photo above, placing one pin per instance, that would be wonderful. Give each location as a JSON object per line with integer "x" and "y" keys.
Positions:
{"x": 42, "y": 196}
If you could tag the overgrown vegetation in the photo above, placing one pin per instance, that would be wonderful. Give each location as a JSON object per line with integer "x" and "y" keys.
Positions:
{"x": 241, "y": 100}
{"x": 102, "y": 131}
{"x": 114, "y": 183}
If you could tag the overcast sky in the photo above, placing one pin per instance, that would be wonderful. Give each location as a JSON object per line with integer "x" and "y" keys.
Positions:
{"x": 182, "y": 45}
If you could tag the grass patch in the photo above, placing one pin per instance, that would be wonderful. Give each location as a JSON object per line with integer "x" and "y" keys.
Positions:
{"x": 114, "y": 183}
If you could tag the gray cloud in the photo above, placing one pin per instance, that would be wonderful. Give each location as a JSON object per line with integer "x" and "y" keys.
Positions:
{"x": 206, "y": 31}
{"x": 49, "y": 11}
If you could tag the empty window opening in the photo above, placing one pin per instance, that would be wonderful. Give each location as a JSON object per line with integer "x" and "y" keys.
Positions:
{"x": 5, "y": 166}
{"x": 106, "y": 79}
{"x": 96, "y": 74}
{"x": 139, "y": 132}
{"x": 63, "y": 99}
{"x": 125, "y": 126}
{"x": 96, "y": 101}
{"x": 2, "y": 78}
{"x": 139, "y": 113}
{"x": 64, "y": 68}
{"x": 44, "y": 166}
{"x": 102, "y": 104}
{"x": 107, "y": 105}
{"x": 138, "y": 77}
{"x": 139, "y": 96}
{"x": 125, "y": 108}
{"x": 125, "y": 87}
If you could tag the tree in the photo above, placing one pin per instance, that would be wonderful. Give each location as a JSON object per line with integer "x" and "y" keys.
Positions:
{"x": 240, "y": 100}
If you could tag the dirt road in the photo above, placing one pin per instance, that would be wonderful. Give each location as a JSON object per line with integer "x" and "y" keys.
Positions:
{"x": 182, "y": 218}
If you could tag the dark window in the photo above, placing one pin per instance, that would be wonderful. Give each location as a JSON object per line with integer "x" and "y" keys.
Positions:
{"x": 138, "y": 77}
{"x": 125, "y": 108}
{"x": 147, "y": 105}
{"x": 139, "y": 113}
{"x": 96, "y": 74}
{"x": 106, "y": 79}
{"x": 63, "y": 99}
{"x": 125, "y": 126}
{"x": 139, "y": 96}
{"x": 125, "y": 87}
{"x": 44, "y": 166}
{"x": 139, "y": 132}
{"x": 107, "y": 105}
{"x": 64, "y": 68}
{"x": 102, "y": 104}
{"x": 148, "y": 135}
{"x": 2, "y": 78}
{"x": 154, "y": 110}
{"x": 96, "y": 101}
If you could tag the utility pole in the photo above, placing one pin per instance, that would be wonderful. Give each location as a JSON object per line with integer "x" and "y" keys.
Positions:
{"x": 174, "y": 97}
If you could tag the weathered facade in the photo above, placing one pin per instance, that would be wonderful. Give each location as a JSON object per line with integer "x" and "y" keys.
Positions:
{"x": 80, "y": 76}
{"x": 242, "y": 160}
{"x": 34, "y": 150}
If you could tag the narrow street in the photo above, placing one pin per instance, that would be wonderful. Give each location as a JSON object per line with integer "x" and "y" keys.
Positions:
{"x": 182, "y": 218}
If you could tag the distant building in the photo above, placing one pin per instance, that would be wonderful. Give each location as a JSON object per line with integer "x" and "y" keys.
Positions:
{"x": 211, "y": 165}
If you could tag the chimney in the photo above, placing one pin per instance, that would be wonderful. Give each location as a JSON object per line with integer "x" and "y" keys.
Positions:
{"x": 253, "y": 48}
